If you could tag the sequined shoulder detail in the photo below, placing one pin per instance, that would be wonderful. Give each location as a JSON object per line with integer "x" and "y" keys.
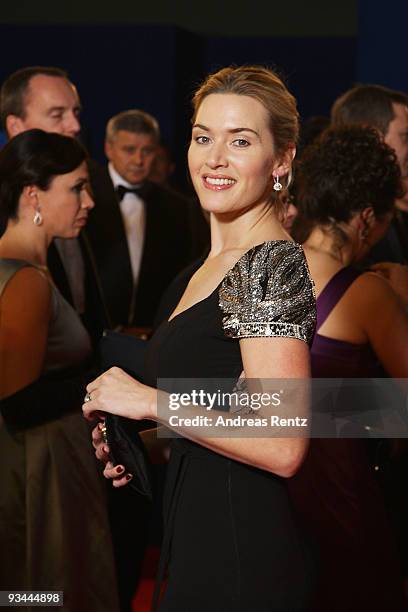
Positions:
{"x": 269, "y": 292}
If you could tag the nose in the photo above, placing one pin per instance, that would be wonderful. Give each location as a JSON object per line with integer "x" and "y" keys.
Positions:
{"x": 72, "y": 125}
{"x": 138, "y": 157}
{"x": 87, "y": 201}
{"x": 217, "y": 156}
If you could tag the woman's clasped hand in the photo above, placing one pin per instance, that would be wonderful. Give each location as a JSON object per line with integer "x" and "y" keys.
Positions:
{"x": 118, "y": 393}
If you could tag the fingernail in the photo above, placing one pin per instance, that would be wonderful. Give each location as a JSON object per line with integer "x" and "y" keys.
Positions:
{"x": 129, "y": 476}
{"x": 120, "y": 469}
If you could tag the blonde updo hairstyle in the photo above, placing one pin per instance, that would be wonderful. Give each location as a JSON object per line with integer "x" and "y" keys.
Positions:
{"x": 263, "y": 85}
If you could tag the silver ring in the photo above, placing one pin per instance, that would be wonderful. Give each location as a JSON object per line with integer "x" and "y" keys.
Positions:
{"x": 88, "y": 397}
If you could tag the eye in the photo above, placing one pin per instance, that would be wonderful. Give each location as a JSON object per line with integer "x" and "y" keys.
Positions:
{"x": 202, "y": 140}
{"x": 78, "y": 188}
{"x": 240, "y": 142}
{"x": 57, "y": 115}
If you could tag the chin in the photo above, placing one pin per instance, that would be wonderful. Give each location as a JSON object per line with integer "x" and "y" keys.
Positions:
{"x": 229, "y": 211}
{"x": 72, "y": 233}
{"x": 135, "y": 179}
{"x": 216, "y": 204}
{"x": 217, "y": 209}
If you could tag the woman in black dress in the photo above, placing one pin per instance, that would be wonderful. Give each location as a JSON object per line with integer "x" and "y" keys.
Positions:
{"x": 230, "y": 536}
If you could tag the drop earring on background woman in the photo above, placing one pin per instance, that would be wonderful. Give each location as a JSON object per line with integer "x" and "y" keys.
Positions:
{"x": 364, "y": 234}
{"x": 37, "y": 220}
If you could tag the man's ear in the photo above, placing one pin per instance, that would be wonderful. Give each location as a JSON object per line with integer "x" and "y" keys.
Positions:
{"x": 14, "y": 125}
{"x": 108, "y": 149}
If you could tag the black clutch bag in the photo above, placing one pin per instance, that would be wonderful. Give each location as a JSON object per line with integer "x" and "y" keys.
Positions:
{"x": 122, "y": 435}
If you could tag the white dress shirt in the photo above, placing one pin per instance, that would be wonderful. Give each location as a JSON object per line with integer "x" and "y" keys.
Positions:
{"x": 134, "y": 218}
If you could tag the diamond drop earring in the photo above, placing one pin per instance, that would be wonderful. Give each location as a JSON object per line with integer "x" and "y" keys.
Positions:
{"x": 277, "y": 185}
{"x": 37, "y": 220}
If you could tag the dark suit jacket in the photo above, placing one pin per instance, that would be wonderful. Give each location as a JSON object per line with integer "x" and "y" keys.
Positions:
{"x": 169, "y": 245}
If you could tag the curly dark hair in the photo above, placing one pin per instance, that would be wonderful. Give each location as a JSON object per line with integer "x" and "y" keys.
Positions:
{"x": 344, "y": 171}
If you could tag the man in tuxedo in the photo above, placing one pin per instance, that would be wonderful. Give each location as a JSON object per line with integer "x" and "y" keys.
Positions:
{"x": 146, "y": 238}
{"x": 44, "y": 98}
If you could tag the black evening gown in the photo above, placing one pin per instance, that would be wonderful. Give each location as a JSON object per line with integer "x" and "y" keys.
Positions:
{"x": 231, "y": 539}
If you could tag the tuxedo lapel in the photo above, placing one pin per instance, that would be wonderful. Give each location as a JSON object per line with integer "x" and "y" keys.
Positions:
{"x": 106, "y": 232}
{"x": 153, "y": 237}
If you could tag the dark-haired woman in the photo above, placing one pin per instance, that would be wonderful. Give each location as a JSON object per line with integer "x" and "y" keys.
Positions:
{"x": 53, "y": 526}
{"x": 347, "y": 185}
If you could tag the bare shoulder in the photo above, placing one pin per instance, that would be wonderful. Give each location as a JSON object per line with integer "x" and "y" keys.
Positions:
{"x": 26, "y": 311}
{"x": 29, "y": 288}
{"x": 29, "y": 279}
{"x": 369, "y": 286}
{"x": 374, "y": 302}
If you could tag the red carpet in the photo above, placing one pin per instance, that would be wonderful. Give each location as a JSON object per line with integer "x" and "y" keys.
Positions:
{"x": 143, "y": 598}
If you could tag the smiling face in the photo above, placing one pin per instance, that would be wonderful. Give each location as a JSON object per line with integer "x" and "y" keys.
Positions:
{"x": 231, "y": 156}
{"x": 132, "y": 155}
{"x": 51, "y": 104}
{"x": 65, "y": 205}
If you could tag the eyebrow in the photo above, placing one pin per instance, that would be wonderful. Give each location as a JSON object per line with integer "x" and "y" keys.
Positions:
{"x": 231, "y": 131}
{"x": 54, "y": 109}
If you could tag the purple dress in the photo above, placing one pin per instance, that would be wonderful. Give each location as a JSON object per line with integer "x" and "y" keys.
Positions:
{"x": 337, "y": 495}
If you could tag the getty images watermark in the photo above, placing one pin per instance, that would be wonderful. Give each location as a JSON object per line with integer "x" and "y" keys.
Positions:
{"x": 324, "y": 408}
{"x": 239, "y": 409}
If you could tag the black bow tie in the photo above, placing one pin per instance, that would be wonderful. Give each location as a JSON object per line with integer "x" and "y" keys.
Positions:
{"x": 121, "y": 191}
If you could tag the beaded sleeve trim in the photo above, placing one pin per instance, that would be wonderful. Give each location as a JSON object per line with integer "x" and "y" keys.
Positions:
{"x": 269, "y": 292}
{"x": 234, "y": 328}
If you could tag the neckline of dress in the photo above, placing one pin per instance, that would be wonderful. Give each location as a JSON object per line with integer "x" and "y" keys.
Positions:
{"x": 261, "y": 244}
{"x": 195, "y": 304}
{"x": 26, "y": 262}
